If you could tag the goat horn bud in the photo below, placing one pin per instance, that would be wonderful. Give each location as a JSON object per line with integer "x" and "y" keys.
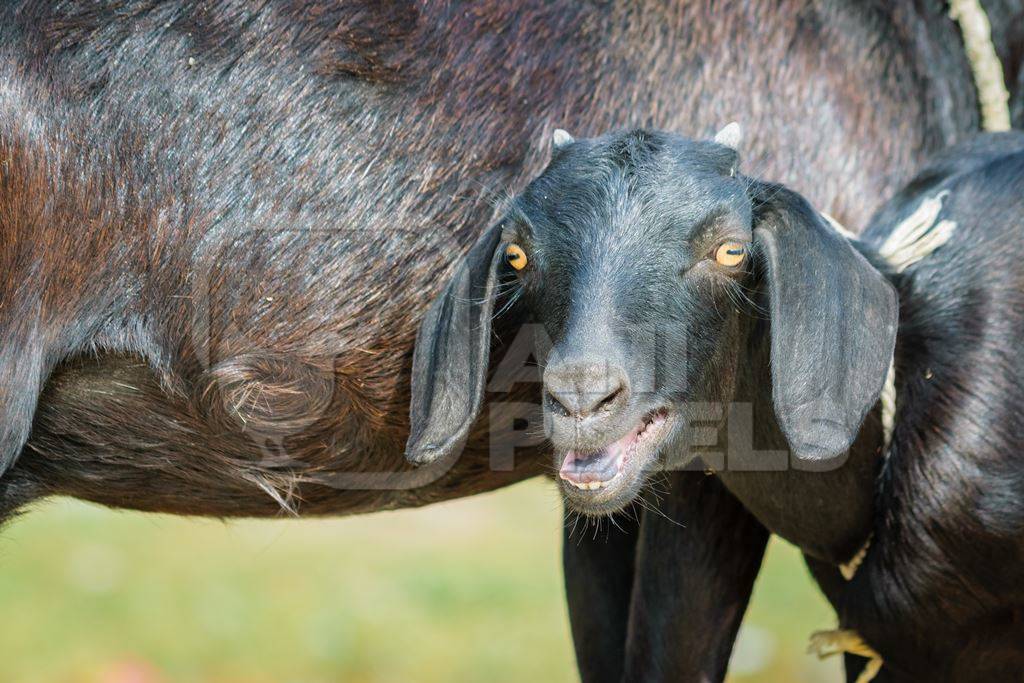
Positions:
{"x": 730, "y": 136}
{"x": 562, "y": 139}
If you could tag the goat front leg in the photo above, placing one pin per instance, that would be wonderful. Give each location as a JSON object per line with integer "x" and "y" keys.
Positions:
{"x": 598, "y": 563}
{"x": 696, "y": 561}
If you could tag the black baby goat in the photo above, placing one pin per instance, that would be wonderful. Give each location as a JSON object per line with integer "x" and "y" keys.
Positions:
{"x": 674, "y": 299}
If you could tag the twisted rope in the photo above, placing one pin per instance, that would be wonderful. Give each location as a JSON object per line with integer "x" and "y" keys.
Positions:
{"x": 988, "y": 70}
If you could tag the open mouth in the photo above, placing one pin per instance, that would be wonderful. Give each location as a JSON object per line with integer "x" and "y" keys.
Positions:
{"x": 589, "y": 471}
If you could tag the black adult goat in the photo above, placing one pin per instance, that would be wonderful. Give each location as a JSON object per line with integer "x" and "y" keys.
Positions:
{"x": 643, "y": 255}
{"x": 220, "y": 222}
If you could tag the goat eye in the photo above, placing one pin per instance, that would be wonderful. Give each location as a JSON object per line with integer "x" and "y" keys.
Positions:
{"x": 730, "y": 254}
{"x": 515, "y": 256}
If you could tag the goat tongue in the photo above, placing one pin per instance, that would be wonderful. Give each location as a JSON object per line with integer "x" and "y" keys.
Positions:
{"x": 590, "y": 468}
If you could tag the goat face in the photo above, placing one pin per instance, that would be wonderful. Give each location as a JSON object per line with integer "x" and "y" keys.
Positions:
{"x": 646, "y": 264}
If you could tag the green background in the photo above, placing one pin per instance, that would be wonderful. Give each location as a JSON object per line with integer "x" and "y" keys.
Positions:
{"x": 463, "y": 591}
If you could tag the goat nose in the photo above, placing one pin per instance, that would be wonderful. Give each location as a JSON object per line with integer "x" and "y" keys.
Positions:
{"x": 583, "y": 388}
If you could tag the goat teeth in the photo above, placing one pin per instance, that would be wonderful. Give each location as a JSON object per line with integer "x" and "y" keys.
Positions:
{"x": 590, "y": 485}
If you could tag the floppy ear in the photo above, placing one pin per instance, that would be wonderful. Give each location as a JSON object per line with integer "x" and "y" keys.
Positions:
{"x": 833, "y": 325}
{"x": 450, "y": 360}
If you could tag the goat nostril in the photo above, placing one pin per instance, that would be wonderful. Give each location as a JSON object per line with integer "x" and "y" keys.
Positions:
{"x": 608, "y": 400}
{"x": 557, "y": 405}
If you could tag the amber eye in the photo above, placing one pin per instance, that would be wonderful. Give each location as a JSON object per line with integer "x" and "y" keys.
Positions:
{"x": 730, "y": 254}
{"x": 515, "y": 256}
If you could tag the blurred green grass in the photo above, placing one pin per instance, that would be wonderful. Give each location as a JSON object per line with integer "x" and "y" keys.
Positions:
{"x": 463, "y": 591}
